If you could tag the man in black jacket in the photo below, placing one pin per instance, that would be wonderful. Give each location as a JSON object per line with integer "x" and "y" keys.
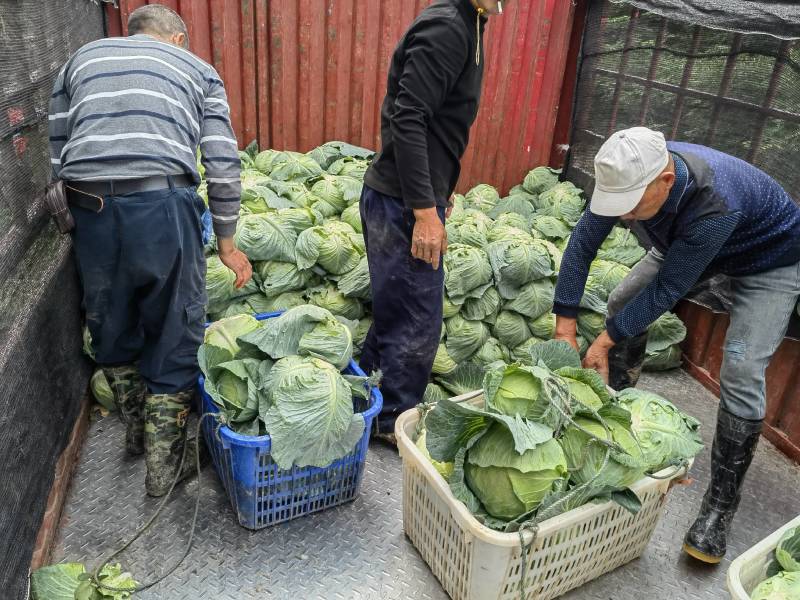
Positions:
{"x": 431, "y": 101}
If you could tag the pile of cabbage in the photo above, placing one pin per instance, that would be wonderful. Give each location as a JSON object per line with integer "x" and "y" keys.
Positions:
{"x": 548, "y": 436}
{"x": 283, "y": 377}
{"x": 784, "y": 571}
{"x": 300, "y": 226}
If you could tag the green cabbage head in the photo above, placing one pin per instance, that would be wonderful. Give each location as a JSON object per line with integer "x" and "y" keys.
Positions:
{"x": 507, "y": 483}
{"x": 783, "y": 586}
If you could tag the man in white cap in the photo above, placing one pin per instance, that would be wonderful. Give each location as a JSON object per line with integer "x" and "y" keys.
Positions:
{"x": 705, "y": 213}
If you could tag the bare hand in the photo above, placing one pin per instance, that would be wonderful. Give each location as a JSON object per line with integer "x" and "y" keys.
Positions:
{"x": 235, "y": 260}
{"x": 429, "y": 238}
{"x": 449, "y": 210}
{"x": 567, "y": 330}
{"x": 597, "y": 355}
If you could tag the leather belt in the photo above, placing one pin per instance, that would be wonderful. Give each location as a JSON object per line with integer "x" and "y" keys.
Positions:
{"x": 90, "y": 194}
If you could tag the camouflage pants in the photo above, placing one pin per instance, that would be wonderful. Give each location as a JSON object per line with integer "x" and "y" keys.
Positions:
{"x": 129, "y": 392}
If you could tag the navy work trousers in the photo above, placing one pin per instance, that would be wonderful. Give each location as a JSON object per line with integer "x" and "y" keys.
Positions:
{"x": 406, "y": 306}
{"x": 142, "y": 268}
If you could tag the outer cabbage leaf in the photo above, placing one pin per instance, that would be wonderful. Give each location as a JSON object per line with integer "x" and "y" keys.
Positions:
{"x": 311, "y": 420}
{"x": 484, "y": 308}
{"x": 482, "y": 197}
{"x": 356, "y": 283}
{"x": 491, "y": 352}
{"x": 544, "y": 326}
{"x": 352, "y": 216}
{"x": 787, "y": 552}
{"x": 305, "y": 330}
{"x": 328, "y": 297}
{"x": 550, "y": 227}
{"x": 280, "y": 277}
{"x": 540, "y": 180}
{"x": 665, "y": 433}
{"x": 443, "y": 362}
{"x": 467, "y": 377}
{"x": 663, "y": 360}
{"x": 295, "y": 167}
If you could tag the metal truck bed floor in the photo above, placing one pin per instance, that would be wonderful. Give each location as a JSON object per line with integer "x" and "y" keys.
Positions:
{"x": 358, "y": 551}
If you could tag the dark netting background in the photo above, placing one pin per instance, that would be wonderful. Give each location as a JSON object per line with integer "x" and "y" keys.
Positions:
{"x": 44, "y": 375}
{"x": 737, "y": 92}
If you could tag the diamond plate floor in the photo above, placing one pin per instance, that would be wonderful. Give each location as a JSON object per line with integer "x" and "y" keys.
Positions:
{"x": 358, "y": 551}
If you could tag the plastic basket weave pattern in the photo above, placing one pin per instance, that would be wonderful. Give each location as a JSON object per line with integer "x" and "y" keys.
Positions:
{"x": 261, "y": 493}
{"x": 473, "y": 562}
{"x": 750, "y": 569}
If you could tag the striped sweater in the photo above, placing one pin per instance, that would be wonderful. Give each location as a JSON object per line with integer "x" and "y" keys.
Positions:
{"x": 127, "y": 108}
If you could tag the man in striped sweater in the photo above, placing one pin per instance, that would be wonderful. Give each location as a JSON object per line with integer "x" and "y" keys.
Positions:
{"x": 126, "y": 118}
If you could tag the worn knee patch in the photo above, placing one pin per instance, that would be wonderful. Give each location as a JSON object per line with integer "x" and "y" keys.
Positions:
{"x": 735, "y": 350}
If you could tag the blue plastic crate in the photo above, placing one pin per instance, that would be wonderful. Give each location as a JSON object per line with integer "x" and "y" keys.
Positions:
{"x": 261, "y": 493}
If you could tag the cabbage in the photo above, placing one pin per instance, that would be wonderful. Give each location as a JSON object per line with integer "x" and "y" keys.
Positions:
{"x": 509, "y": 483}
{"x": 266, "y": 237}
{"x": 783, "y": 586}
{"x": 222, "y": 337}
{"x": 467, "y": 272}
{"x": 266, "y": 160}
{"x": 606, "y": 275}
{"x": 586, "y": 387}
{"x": 522, "y": 353}
{"x": 539, "y": 180}
{"x": 299, "y": 219}
{"x": 621, "y": 246}
{"x": 69, "y": 581}
{"x": 663, "y": 360}
{"x": 516, "y": 262}
{"x": 550, "y": 227}
{"x": 356, "y": 283}
{"x": 330, "y": 196}
{"x": 261, "y": 199}
{"x": 297, "y": 194}
{"x": 483, "y": 308}
{"x": 220, "y": 282}
{"x": 443, "y": 362}
{"x": 491, "y": 352}
{"x": 665, "y": 434}
{"x": 259, "y": 303}
{"x": 253, "y": 177}
{"x": 304, "y": 330}
{"x": 328, "y": 247}
{"x": 310, "y": 419}
{"x": 591, "y": 324}
{"x": 585, "y": 457}
{"x": 469, "y": 228}
{"x": 336, "y": 302}
{"x": 502, "y": 232}
{"x": 512, "y": 220}
{"x": 562, "y": 201}
{"x": 533, "y": 299}
{"x": 482, "y": 197}
{"x": 543, "y": 327}
{"x": 294, "y": 166}
{"x": 350, "y": 166}
{"x": 464, "y": 338}
{"x": 280, "y": 277}
{"x": 102, "y": 391}
{"x": 516, "y": 390}
{"x": 449, "y": 309}
{"x": 666, "y": 331}
{"x": 445, "y": 469}
{"x": 434, "y": 393}
{"x": 787, "y": 553}
{"x": 510, "y": 329}
{"x": 352, "y": 216}
{"x": 515, "y": 204}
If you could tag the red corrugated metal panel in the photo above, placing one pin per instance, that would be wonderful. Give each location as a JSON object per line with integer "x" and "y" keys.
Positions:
{"x": 302, "y": 72}
{"x": 703, "y": 359}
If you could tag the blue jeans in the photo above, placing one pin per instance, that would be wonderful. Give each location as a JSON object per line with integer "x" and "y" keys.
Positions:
{"x": 759, "y": 316}
{"x": 142, "y": 268}
{"x": 406, "y": 306}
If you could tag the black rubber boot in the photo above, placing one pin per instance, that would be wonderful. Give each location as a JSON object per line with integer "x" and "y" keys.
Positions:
{"x": 625, "y": 362}
{"x": 735, "y": 442}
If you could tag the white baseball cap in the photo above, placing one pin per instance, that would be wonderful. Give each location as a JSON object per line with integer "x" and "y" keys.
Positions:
{"x": 624, "y": 166}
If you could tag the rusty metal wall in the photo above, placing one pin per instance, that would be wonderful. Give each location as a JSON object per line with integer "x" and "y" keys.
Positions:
{"x": 302, "y": 72}
{"x": 703, "y": 359}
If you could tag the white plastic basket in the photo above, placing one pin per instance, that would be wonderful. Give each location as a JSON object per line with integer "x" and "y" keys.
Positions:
{"x": 473, "y": 562}
{"x": 750, "y": 569}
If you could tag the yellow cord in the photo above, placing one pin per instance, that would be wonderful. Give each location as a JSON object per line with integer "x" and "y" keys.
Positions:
{"x": 478, "y": 35}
